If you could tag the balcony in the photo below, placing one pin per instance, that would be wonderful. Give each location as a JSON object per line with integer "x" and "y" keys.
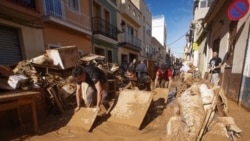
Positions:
{"x": 129, "y": 10}
{"x": 129, "y": 41}
{"x": 103, "y": 27}
{"x": 158, "y": 56}
{"x": 57, "y": 11}
{"x": 21, "y": 11}
{"x": 149, "y": 55}
{"x": 26, "y": 3}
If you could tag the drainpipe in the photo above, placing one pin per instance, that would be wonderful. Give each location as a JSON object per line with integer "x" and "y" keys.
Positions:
{"x": 91, "y": 17}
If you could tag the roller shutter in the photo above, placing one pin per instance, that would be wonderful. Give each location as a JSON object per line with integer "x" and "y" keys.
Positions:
{"x": 10, "y": 50}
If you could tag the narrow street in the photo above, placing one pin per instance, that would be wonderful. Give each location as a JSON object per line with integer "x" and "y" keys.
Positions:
{"x": 127, "y": 70}
{"x": 54, "y": 127}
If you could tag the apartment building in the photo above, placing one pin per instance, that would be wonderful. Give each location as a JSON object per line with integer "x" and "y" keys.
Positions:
{"x": 230, "y": 38}
{"x": 158, "y": 51}
{"x": 200, "y": 10}
{"x": 145, "y": 30}
{"x": 159, "y": 29}
{"x": 28, "y": 28}
{"x": 21, "y": 31}
{"x": 67, "y": 23}
{"x": 104, "y": 24}
{"x": 159, "y": 32}
{"x": 130, "y": 20}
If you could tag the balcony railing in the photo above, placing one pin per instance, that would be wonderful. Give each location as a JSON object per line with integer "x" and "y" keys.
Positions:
{"x": 149, "y": 55}
{"x": 130, "y": 41}
{"x": 128, "y": 9}
{"x": 54, "y": 8}
{"x": 103, "y": 27}
{"x": 60, "y": 10}
{"x": 27, "y": 3}
{"x": 25, "y": 12}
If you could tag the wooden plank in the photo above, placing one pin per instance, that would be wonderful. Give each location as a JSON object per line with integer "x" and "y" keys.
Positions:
{"x": 17, "y": 95}
{"x": 53, "y": 91}
{"x": 91, "y": 57}
{"x": 84, "y": 118}
{"x": 9, "y": 105}
{"x": 18, "y": 99}
{"x": 131, "y": 107}
{"x": 65, "y": 57}
{"x": 161, "y": 93}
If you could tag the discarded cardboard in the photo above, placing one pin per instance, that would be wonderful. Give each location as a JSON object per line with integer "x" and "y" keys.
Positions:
{"x": 17, "y": 81}
{"x": 131, "y": 107}
{"x": 65, "y": 57}
{"x": 90, "y": 57}
{"x": 84, "y": 118}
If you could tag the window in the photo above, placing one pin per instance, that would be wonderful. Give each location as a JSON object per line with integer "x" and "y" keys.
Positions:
{"x": 203, "y": 4}
{"x": 125, "y": 62}
{"x": 99, "y": 51}
{"x": 134, "y": 12}
{"x": 106, "y": 15}
{"x": 130, "y": 30}
{"x": 54, "y": 8}
{"x": 210, "y": 2}
{"x": 148, "y": 29}
{"x": 216, "y": 45}
{"x": 136, "y": 33}
{"x": 74, "y": 4}
{"x": 110, "y": 56}
{"x": 96, "y": 10}
{"x": 128, "y": 7}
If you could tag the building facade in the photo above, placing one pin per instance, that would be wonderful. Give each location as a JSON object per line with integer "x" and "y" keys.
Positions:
{"x": 130, "y": 20}
{"x": 105, "y": 32}
{"x": 159, "y": 29}
{"x": 21, "y": 31}
{"x": 159, "y": 33}
{"x": 230, "y": 38}
{"x": 193, "y": 48}
{"x": 67, "y": 23}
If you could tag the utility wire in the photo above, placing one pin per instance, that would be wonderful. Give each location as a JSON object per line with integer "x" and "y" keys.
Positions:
{"x": 177, "y": 39}
{"x": 177, "y": 52}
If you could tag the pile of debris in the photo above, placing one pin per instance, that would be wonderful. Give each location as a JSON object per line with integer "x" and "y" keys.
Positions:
{"x": 200, "y": 113}
{"x": 50, "y": 73}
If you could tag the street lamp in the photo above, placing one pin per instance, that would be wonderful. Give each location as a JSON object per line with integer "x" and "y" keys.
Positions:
{"x": 187, "y": 37}
{"x": 123, "y": 26}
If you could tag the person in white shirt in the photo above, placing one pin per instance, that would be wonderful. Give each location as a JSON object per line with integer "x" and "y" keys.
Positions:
{"x": 185, "y": 67}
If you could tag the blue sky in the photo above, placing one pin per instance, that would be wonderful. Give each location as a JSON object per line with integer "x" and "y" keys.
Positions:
{"x": 178, "y": 15}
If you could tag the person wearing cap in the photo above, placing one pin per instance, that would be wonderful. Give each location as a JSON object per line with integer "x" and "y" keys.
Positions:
{"x": 163, "y": 77}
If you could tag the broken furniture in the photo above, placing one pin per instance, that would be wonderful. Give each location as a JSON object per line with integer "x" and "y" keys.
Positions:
{"x": 17, "y": 99}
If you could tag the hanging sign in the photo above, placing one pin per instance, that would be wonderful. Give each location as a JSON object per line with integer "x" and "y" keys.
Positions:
{"x": 237, "y": 9}
{"x": 195, "y": 46}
